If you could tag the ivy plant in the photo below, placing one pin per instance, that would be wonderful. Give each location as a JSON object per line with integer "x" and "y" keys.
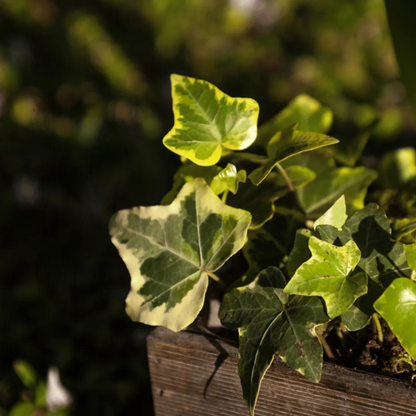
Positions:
{"x": 313, "y": 255}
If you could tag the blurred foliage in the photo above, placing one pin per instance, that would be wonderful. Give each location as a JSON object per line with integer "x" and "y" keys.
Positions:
{"x": 84, "y": 104}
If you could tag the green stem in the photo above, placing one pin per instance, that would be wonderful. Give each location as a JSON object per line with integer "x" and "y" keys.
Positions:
{"x": 377, "y": 329}
{"x": 327, "y": 348}
{"x": 217, "y": 279}
{"x": 286, "y": 178}
{"x": 224, "y": 196}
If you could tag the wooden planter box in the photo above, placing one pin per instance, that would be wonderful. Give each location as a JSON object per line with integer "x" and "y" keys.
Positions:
{"x": 195, "y": 375}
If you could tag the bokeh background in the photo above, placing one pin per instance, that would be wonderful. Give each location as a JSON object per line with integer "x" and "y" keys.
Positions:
{"x": 84, "y": 105}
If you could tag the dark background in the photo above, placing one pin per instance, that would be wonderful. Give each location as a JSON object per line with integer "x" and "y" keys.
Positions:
{"x": 84, "y": 105}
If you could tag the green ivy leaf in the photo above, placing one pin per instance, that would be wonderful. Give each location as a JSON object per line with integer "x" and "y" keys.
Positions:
{"x": 206, "y": 119}
{"x": 381, "y": 259}
{"x": 171, "y": 250}
{"x": 397, "y": 305}
{"x": 300, "y": 252}
{"x": 335, "y": 216}
{"x": 303, "y": 110}
{"x": 327, "y": 274}
{"x": 321, "y": 193}
{"x": 218, "y": 179}
{"x": 261, "y": 251}
{"x": 259, "y": 200}
{"x": 287, "y": 143}
{"x": 271, "y": 322}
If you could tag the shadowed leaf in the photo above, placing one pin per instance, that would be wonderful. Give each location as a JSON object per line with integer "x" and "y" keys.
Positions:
{"x": 271, "y": 322}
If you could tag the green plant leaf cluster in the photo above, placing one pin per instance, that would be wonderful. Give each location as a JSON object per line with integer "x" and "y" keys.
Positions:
{"x": 313, "y": 253}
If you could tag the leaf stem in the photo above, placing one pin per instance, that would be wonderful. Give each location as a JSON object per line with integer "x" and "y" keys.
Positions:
{"x": 286, "y": 178}
{"x": 217, "y": 279}
{"x": 377, "y": 329}
{"x": 327, "y": 348}
{"x": 224, "y": 196}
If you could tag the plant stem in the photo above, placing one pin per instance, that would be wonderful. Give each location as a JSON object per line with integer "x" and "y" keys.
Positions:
{"x": 224, "y": 196}
{"x": 217, "y": 279}
{"x": 327, "y": 348}
{"x": 286, "y": 178}
{"x": 377, "y": 329}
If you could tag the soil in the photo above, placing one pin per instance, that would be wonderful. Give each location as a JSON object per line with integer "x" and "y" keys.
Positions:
{"x": 363, "y": 351}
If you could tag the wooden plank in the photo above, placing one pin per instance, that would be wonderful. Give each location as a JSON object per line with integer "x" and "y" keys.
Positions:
{"x": 196, "y": 375}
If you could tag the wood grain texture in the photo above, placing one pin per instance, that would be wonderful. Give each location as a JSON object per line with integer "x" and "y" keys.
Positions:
{"x": 196, "y": 375}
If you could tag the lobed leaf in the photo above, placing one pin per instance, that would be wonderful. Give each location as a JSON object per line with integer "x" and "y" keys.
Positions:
{"x": 287, "y": 143}
{"x": 381, "y": 259}
{"x": 206, "y": 120}
{"x": 397, "y": 305}
{"x": 218, "y": 179}
{"x": 300, "y": 252}
{"x": 327, "y": 274}
{"x": 170, "y": 251}
{"x": 271, "y": 322}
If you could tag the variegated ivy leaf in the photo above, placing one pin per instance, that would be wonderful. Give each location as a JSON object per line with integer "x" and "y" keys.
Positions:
{"x": 171, "y": 250}
{"x": 327, "y": 274}
{"x": 259, "y": 200}
{"x": 304, "y": 110}
{"x": 206, "y": 119}
{"x": 218, "y": 179}
{"x": 335, "y": 216}
{"x": 287, "y": 143}
{"x": 228, "y": 180}
{"x": 271, "y": 322}
{"x": 397, "y": 305}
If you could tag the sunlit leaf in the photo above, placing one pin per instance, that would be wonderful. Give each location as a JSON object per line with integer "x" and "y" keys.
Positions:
{"x": 335, "y": 216}
{"x": 218, "y": 179}
{"x": 304, "y": 111}
{"x": 206, "y": 119}
{"x": 397, "y": 305}
{"x": 259, "y": 200}
{"x": 271, "y": 322}
{"x": 287, "y": 143}
{"x": 170, "y": 251}
{"x": 328, "y": 274}
{"x": 228, "y": 180}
